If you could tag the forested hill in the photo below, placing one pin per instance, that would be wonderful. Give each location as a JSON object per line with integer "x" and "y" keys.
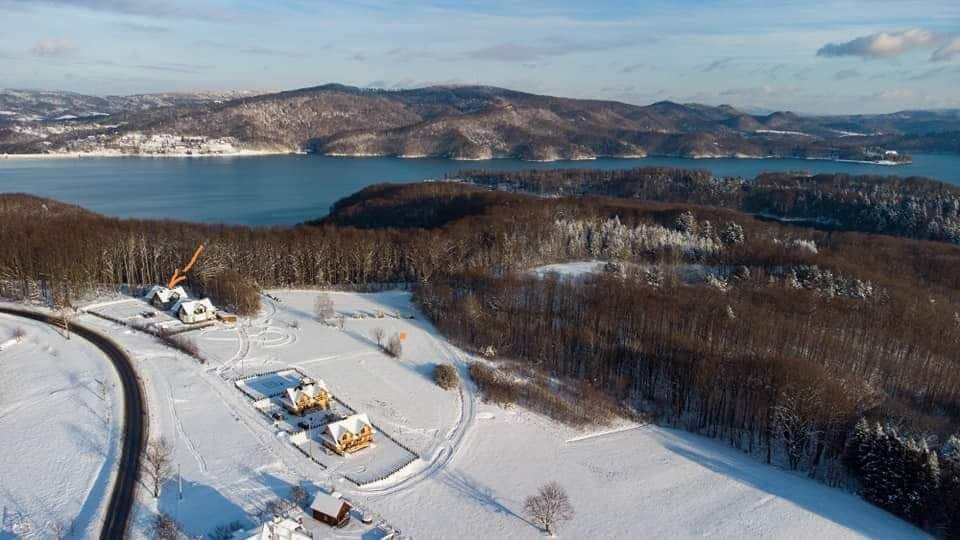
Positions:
{"x": 474, "y": 122}
{"x": 909, "y": 207}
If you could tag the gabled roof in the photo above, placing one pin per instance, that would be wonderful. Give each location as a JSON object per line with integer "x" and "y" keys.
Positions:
{"x": 311, "y": 390}
{"x": 328, "y": 504}
{"x": 190, "y": 305}
{"x": 283, "y": 529}
{"x": 350, "y": 424}
{"x": 165, "y": 295}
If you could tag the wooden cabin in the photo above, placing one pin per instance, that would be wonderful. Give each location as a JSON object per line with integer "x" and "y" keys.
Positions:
{"x": 164, "y": 298}
{"x": 349, "y": 435}
{"x": 330, "y": 509}
{"x": 196, "y": 311}
{"x": 228, "y": 318}
{"x": 306, "y": 396}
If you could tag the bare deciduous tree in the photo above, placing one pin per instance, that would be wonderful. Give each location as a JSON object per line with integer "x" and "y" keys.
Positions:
{"x": 66, "y": 315}
{"x": 377, "y": 334}
{"x": 298, "y": 496}
{"x": 549, "y": 507}
{"x": 164, "y": 527}
{"x": 58, "y": 530}
{"x": 19, "y": 333}
{"x": 323, "y": 307}
{"x": 157, "y": 464}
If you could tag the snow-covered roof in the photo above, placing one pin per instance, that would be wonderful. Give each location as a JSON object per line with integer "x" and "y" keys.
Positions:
{"x": 310, "y": 390}
{"x": 165, "y": 295}
{"x": 279, "y": 528}
{"x": 350, "y": 424}
{"x": 190, "y": 306}
{"x": 327, "y": 504}
{"x": 283, "y": 529}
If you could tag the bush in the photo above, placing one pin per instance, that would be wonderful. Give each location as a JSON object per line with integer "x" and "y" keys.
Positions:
{"x": 232, "y": 291}
{"x": 446, "y": 376}
{"x": 394, "y": 346}
{"x": 492, "y": 385}
{"x": 182, "y": 344}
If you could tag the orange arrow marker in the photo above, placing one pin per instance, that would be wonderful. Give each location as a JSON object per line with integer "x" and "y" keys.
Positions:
{"x": 177, "y": 278}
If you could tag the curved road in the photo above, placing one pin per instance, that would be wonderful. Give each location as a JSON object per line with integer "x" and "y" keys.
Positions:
{"x": 134, "y": 424}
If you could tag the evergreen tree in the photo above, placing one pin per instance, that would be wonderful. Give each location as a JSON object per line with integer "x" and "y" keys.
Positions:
{"x": 949, "y": 497}
{"x": 858, "y": 444}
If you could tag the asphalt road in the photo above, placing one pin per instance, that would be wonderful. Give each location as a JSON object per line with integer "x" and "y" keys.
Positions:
{"x": 134, "y": 424}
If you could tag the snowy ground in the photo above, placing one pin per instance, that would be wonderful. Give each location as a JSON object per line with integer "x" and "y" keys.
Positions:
{"x": 570, "y": 269}
{"x": 60, "y": 411}
{"x": 477, "y": 461}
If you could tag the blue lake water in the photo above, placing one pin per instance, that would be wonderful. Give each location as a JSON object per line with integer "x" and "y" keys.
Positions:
{"x": 280, "y": 190}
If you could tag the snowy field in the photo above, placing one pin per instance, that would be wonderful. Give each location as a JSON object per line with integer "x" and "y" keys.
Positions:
{"x": 60, "y": 410}
{"x": 477, "y": 462}
{"x": 570, "y": 269}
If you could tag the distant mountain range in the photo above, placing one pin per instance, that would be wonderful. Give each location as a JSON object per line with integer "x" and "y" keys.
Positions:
{"x": 469, "y": 122}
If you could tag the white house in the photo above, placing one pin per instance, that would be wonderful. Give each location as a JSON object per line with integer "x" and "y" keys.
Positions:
{"x": 165, "y": 298}
{"x": 279, "y": 528}
{"x": 195, "y": 311}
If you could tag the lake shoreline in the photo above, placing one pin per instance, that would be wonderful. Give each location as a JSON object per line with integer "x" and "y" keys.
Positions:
{"x": 266, "y": 153}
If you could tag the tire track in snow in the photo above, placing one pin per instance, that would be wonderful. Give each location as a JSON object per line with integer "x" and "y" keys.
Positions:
{"x": 451, "y": 444}
{"x": 183, "y": 434}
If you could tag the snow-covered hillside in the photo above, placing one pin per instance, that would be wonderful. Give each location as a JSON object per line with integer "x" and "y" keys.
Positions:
{"x": 476, "y": 462}
{"x": 60, "y": 410}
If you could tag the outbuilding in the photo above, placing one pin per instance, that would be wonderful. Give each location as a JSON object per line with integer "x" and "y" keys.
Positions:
{"x": 330, "y": 509}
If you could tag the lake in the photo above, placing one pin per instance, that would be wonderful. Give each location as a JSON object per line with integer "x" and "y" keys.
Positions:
{"x": 282, "y": 190}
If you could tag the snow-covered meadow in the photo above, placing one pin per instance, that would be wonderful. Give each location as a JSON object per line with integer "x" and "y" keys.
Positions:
{"x": 477, "y": 461}
{"x": 60, "y": 410}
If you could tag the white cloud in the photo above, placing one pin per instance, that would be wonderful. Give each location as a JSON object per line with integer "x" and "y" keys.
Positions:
{"x": 948, "y": 51}
{"x": 883, "y": 44}
{"x": 51, "y": 48}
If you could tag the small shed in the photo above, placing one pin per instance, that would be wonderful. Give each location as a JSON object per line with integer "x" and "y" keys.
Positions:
{"x": 330, "y": 509}
{"x": 165, "y": 298}
{"x": 195, "y": 311}
{"x": 228, "y": 318}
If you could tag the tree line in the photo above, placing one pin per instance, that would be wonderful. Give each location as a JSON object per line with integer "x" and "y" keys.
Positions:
{"x": 908, "y": 207}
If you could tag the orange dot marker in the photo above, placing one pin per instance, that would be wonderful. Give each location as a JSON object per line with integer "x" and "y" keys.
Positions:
{"x": 403, "y": 336}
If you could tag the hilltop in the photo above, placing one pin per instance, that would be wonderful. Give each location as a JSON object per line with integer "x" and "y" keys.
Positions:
{"x": 472, "y": 122}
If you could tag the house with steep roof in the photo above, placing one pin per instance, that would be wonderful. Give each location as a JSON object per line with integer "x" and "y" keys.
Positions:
{"x": 348, "y": 435}
{"x": 278, "y": 528}
{"x": 195, "y": 311}
{"x": 165, "y": 298}
{"x": 306, "y": 396}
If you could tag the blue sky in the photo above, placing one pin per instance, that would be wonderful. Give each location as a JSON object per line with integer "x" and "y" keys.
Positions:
{"x": 809, "y": 56}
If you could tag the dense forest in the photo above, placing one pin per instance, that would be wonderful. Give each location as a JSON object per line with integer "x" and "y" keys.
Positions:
{"x": 910, "y": 207}
{"x": 821, "y": 350}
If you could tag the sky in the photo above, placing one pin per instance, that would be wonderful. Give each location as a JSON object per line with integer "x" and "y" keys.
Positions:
{"x": 809, "y": 56}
